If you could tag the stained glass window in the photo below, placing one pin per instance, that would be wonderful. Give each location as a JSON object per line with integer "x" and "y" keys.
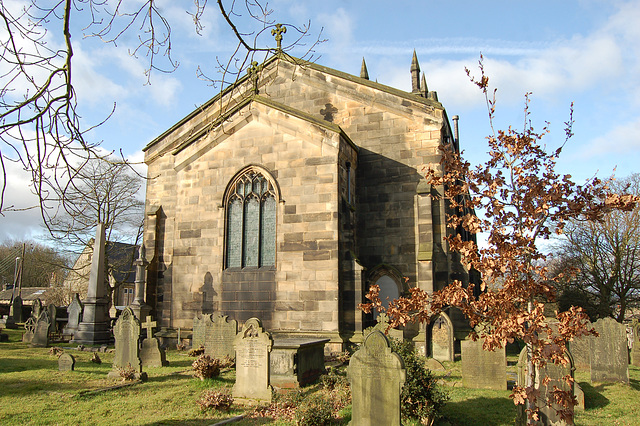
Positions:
{"x": 251, "y": 221}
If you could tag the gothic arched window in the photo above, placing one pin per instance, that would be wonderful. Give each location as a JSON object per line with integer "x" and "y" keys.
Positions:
{"x": 251, "y": 220}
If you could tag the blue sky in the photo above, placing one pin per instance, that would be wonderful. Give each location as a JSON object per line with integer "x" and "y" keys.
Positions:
{"x": 586, "y": 52}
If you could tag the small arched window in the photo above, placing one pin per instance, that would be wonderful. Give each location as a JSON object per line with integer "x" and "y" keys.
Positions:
{"x": 251, "y": 220}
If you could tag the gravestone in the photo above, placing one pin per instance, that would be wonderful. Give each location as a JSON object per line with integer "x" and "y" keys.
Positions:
{"x": 376, "y": 375}
{"x": 219, "y": 337}
{"x": 74, "y": 313}
{"x": 151, "y": 354}
{"x": 200, "y": 326}
{"x": 442, "y": 338}
{"x": 16, "y": 308}
{"x": 66, "y": 362}
{"x": 29, "y": 330}
{"x": 127, "y": 351}
{"x": 383, "y": 326}
{"x": 609, "y": 353}
{"x": 548, "y": 410}
{"x": 483, "y": 369}
{"x": 253, "y": 346}
{"x": 52, "y": 311}
{"x": 41, "y": 330}
{"x": 635, "y": 343}
{"x": 36, "y": 307}
{"x": 581, "y": 351}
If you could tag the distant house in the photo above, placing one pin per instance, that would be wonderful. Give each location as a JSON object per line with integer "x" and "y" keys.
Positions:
{"x": 28, "y": 295}
{"x": 121, "y": 273}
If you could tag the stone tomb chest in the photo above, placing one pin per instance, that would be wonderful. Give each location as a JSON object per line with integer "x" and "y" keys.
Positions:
{"x": 296, "y": 362}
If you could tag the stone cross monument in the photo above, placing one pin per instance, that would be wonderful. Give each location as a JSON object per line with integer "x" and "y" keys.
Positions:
{"x": 139, "y": 307}
{"x": 94, "y": 328}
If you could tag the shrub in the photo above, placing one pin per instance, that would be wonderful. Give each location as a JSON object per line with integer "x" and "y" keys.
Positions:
{"x": 316, "y": 409}
{"x": 96, "y": 358}
{"x": 333, "y": 380}
{"x": 181, "y": 346}
{"x": 216, "y": 400}
{"x": 55, "y": 351}
{"x": 227, "y": 362}
{"x": 206, "y": 367}
{"x": 196, "y": 351}
{"x": 421, "y": 397}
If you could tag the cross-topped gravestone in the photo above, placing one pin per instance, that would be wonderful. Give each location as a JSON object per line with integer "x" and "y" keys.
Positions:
{"x": 376, "y": 375}
{"x": 383, "y": 326}
{"x": 442, "y": 338}
{"x": 151, "y": 354}
{"x": 253, "y": 347}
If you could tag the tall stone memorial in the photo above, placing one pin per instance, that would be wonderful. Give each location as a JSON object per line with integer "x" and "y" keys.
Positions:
{"x": 220, "y": 337}
{"x": 253, "y": 346}
{"x": 376, "y": 375}
{"x": 16, "y": 309}
{"x": 95, "y": 324}
{"x": 483, "y": 369}
{"x": 139, "y": 306}
{"x": 127, "y": 351}
{"x": 609, "y": 353}
{"x": 442, "y": 338}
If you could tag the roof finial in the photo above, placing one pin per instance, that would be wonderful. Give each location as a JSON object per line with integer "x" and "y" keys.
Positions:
{"x": 278, "y": 31}
{"x": 415, "y": 74}
{"x": 423, "y": 86}
{"x": 363, "y": 70}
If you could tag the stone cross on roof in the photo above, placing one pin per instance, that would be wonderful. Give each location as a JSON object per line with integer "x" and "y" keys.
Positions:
{"x": 278, "y": 31}
{"x": 253, "y": 73}
{"x": 149, "y": 326}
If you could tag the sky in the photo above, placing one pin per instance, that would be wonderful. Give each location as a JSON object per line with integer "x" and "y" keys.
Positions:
{"x": 585, "y": 52}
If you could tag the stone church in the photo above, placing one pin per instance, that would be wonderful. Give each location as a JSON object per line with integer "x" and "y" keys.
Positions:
{"x": 290, "y": 193}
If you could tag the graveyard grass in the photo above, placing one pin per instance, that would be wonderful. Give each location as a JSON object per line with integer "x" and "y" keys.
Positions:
{"x": 33, "y": 391}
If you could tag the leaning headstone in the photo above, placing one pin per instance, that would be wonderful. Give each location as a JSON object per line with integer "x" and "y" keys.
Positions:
{"x": 483, "y": 369}
{"x": 66, "y": 362}
{"x": 609, "y": 353}
{"x": 548, "y": 378}
{"x": 376, "y": 375}
{"x": 151, "y": 354}
{"x": 41, "y": 330}
{"x": 442, "y": 338}
{"x": 219, "y": 338}
{"x": 200, "y": 326}
{"x": 127, "y": 351}
{"x": 635, "y": 343}
{"x": 74, "y": 313}
{"x": 253, "y": 346}
{"x": 52, "y": 311}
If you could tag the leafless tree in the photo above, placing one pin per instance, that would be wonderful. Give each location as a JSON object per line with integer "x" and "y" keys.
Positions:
{"x": 605, "y": 256}
{"x": 40, "y": 128}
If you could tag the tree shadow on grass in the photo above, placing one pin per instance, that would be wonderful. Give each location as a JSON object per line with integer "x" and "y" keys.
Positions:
{"x": 479, "y": 411}
{"x": 635, "y": 384}
{"x": 593, "y": 397}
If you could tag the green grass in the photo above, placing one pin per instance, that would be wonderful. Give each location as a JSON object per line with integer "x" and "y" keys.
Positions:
{"x": 34, "y": 392}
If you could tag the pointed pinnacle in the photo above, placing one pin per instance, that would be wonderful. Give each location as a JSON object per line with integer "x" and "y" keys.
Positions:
{"x": 363, "y": 70}
{"x": 414, "y": 62}
{"x": 423, "y": 85}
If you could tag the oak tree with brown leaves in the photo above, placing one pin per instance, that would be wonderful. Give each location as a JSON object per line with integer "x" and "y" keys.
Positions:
{"x": 523, "y": 201}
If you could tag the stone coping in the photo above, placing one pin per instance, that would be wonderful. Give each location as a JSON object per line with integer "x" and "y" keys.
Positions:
{"x": 297, "y": 342}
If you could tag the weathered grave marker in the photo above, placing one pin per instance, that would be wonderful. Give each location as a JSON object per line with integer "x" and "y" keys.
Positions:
{"x": 483, "y": 369}
{"x": 376, "y": 375}
{"x": 609, "y": 353}
{"x": 200, "y": 326}
{"x": 635, "y": 343}
{"x": 219, "y": 337}
{"x": 151, "y": 354}
{"x": 127, "y": 353}
{"x": 442, "y": 338}
{"x": 581, "y": 351}
{"x": 36, "y": 307}
{"x": 74, "y": 312}
{"x": 66, "y": 362}
{"x": 16, "y": 308}
{"x": 41, "y": 330}
{"x": 253, "y": 346}
{"x": 548, "y": 410}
